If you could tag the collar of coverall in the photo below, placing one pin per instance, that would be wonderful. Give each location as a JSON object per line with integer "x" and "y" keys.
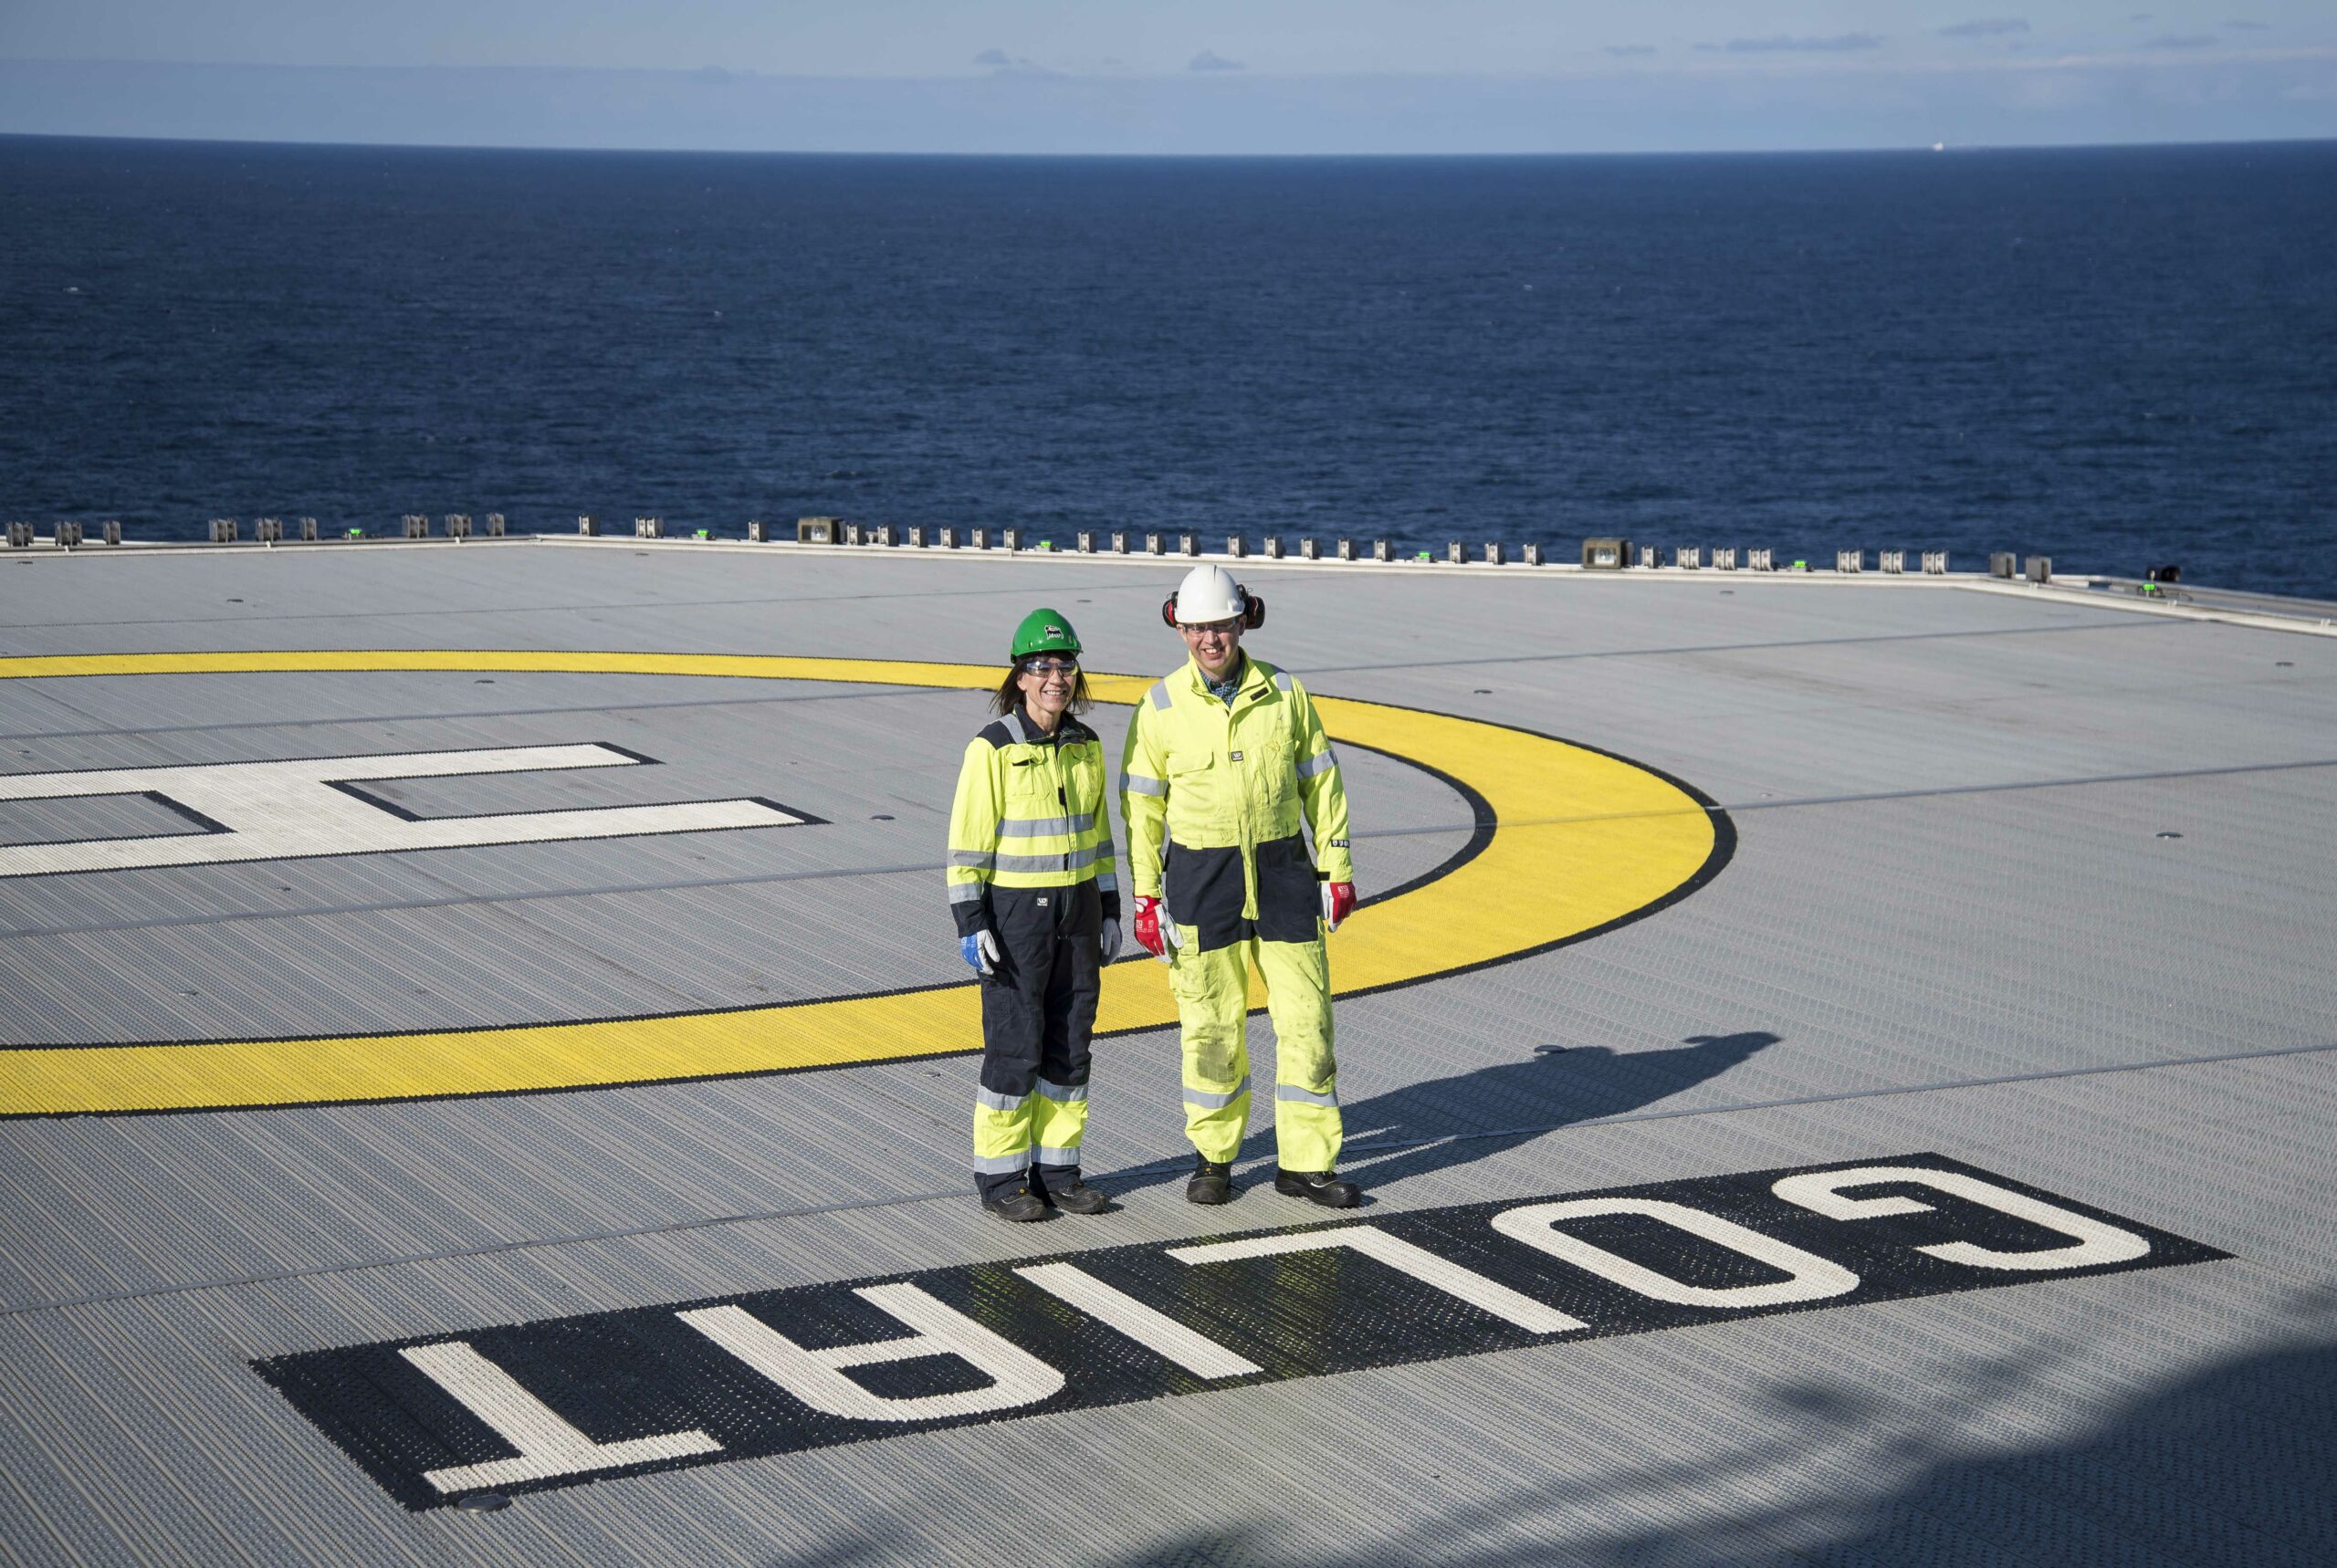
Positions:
{"x": 1066, "y": 729}
{"x": 1251, "y": 676}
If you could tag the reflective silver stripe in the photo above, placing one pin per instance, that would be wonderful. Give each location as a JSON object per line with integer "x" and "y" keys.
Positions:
{"x": 1208, "y": 1101}
{"x": 967, "y": 892}
{"x": 1293, "y": 1092}
{"x": 973, "y": 860}
{"x": 1047, "y": 1156}
{"x": 1003, "y": 1165}
{"x": 1159, "y": 695}
{"x": 1071, "y": 862}
{"x": 1282, "y": 680}
{"x": 1031, "y": 826}
{"x": 1321, "y": 762}
{"x": 1063, "y": 1093}
{"x": 1138, "y": 784}
{"x": 1013, "y": 723}
{"x": 993, "y": 1100}
{"x": 1108, "y": 881}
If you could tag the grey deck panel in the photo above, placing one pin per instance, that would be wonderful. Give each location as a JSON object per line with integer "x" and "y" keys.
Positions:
{"x": 1847, "y": 725}
{"x": 1781, "y": 1434}
{"x": 1865, "y": 949}
{"x": 1926, "y": 968}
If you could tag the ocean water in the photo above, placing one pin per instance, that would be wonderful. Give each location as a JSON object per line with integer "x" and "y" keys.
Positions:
{"x": 2118, "y": 358}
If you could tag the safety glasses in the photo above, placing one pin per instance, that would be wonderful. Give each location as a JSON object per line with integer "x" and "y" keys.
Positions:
{"x": 1052, "y": 667}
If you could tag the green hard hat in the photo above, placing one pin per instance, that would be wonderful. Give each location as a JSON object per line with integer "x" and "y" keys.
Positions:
{"x": 1045, "y": 631}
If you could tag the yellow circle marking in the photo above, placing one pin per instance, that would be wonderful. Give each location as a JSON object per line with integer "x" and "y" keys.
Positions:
{"x": 1580, "y": 841}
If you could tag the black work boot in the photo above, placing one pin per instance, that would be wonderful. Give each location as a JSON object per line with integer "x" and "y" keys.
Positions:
{"x": 1021, "y": 1204}
{"x": 1318, "y": 1186}
{"x": 1078, "y": 1198}
{"x": 1213, "y": 1181}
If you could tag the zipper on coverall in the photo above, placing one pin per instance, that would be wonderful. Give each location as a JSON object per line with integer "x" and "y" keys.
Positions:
{"x": 1239, "y": 764}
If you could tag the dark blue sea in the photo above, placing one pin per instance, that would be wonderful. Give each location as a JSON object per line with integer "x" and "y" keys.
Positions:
{"x": 2118, "y": 358}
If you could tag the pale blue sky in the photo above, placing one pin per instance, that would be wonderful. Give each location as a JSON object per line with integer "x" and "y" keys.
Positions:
{"x": 1194, "y": 76}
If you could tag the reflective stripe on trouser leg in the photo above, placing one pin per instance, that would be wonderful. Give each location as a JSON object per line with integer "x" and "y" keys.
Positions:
{"x": 1001, "y": 1138}
{"x": 1297, "y": 977}
{"x": 1212, "y": 1002}
{"x": 1058, "y": 1122}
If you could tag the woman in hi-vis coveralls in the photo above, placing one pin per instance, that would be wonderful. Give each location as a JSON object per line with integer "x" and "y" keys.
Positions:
{"x": 1237, "y": 815}
{"x": 1038, "y": 914}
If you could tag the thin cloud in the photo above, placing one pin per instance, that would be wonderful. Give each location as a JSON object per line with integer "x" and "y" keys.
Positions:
{"x": 2182, "y": 41}
{"x": 2248, "y": 26}
{"x": 1985, "y": 28}
{"x": 1003, "y": 63}
{"x": 1786, "y": 43}
{"x": 1624, "y": 51}
{"x": 1210, "y": 60}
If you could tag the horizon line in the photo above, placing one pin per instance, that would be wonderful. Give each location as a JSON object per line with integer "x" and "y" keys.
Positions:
{"x": 1938, "y": 148}
{"x": 1696, "y": 62}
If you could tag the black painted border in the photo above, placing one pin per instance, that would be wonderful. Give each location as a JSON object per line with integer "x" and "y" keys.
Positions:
{"x": 376, "y": 1409}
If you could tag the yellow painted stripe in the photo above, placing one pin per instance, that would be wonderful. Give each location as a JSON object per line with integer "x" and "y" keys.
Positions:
{"x": 1582, "y": 840}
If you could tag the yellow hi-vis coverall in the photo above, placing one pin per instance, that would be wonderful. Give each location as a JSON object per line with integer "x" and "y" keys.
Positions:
{"x": 1213, "y": 793}
{"x": 1030, "y": 861}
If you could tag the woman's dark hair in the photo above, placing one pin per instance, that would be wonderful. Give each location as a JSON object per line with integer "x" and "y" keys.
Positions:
{"x": 1010, "y": 691}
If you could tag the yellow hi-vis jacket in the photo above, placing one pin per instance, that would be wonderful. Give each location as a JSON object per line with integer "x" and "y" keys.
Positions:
{"x": 1028, "y": 812}
{"x": 1199, "y": 776}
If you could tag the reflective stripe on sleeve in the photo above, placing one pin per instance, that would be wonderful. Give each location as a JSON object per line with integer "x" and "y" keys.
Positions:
{"x": 967, "y": 892}
{"x": 1211, "y": 1102}
{"x": 973, "y": 860}
{"x": 1138, "y": 784}
{"x": 1160, "y": 696}
{"x": 1321, "y": 762}
{"x": 1293, "y": 1092}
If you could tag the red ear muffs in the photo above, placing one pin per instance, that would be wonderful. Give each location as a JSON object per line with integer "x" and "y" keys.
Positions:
{"x": 1168, "y": 611}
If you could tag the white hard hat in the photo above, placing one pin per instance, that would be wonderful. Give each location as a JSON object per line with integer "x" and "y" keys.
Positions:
{"x": 1210, "y": 593}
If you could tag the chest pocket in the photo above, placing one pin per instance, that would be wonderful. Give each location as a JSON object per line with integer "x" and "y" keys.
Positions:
{"x": 1084, "y": 769}
{"x": 1266, "y": 755}
{"x": 1199, "y": 806}
{"x": 1031, "y": 787}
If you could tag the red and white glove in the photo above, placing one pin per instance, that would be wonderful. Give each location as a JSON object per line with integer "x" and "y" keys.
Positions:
{"x": 1154, "y": 934}
{"x": 1338, "y": 903}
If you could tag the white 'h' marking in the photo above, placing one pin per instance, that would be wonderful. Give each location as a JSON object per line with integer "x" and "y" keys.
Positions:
{"x": 287, "y": 810}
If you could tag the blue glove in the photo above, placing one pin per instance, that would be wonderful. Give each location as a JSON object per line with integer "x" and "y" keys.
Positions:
{"x": 980, "y": 951}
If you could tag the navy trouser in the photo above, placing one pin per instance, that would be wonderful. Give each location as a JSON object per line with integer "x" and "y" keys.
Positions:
{"x": 1038, "y": 1012}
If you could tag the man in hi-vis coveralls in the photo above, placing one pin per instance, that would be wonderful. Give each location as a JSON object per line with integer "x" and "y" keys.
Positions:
{"x": 1223, "y": 759}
